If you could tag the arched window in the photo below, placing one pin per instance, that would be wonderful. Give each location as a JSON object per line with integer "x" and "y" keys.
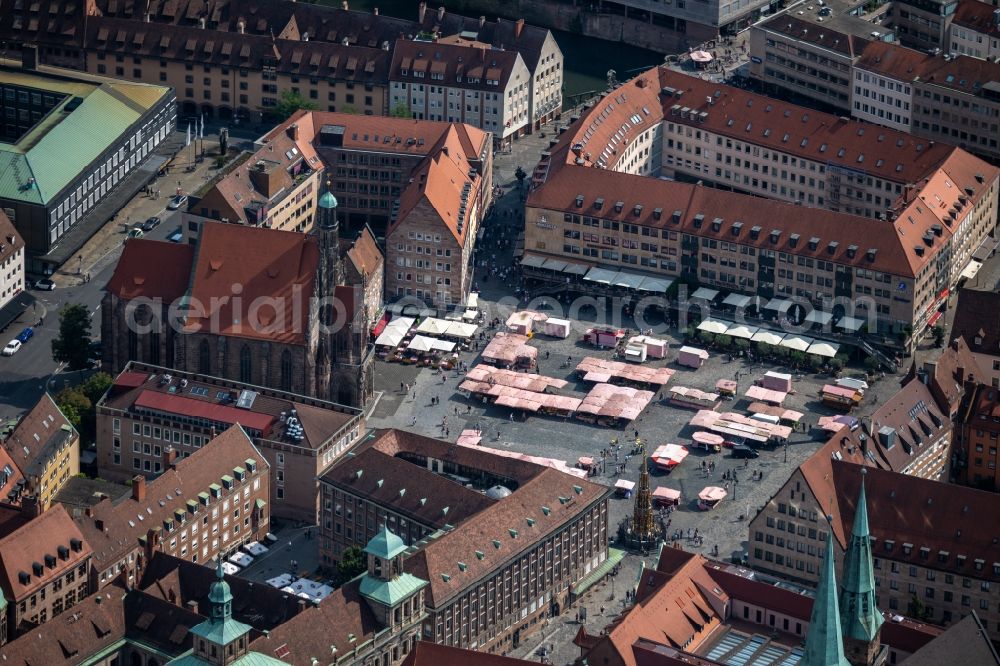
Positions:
{"x": 246, "y": 365}
{"x": 286, "y": 370}
{"x": 204, "y": 358}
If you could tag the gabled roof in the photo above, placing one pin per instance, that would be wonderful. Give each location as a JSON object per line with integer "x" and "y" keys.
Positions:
{"x": 263, "y": 264}
{"x": 976, "y": 16}
{"x": 426, "y": 653}
{"x": 156, "y": 270}
{"x": 38, "y": 435}
{"x": 958, "y": 72}
{"x": 965, "y": 642}
{"x": 444, "y": 185}
{"x": 977, "y": 320}
{"x": 365, "y": 255}
{"x": 464, "y": 66}
{"x": 50, "y": 544}
{"x": 10, "y": 241}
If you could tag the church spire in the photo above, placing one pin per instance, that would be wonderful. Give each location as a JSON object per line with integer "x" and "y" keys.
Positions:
{"x": 824, "y": 646}
{"x": 859, "y": 616}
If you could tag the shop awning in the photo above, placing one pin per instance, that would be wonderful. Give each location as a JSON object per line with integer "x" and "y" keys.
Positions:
{"x": 850, "y": 324}
{"x": 554, "y": 264}
{"x": 601, "y": 276}
{"x": 629, "y": 280}
{"x": 819, "y": 317}
{"x": 614, "y": 557}
{"x": 532, "y": 261}
{"x": 779, "y": 305}
{"x": 737, "y": 300}
{"x": 655, "y": 285}
{"x": 576, "y": 269}
{"x": 704, "y": 294}
{"x": 796, "y": 342}
{"x": 827, "y": 349}
{"x": 742, "y": 331}
{"x": 971, "y": 270}
{"x": 767, "y": 337}
{"x": 714, "y": 326}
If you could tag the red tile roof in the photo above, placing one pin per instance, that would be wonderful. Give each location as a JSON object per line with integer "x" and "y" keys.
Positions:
{"x": 442, "y": 183}
{"x": 958, "y": 72}
{"x": 152, "y": 269}
{"x": 10, "y": 240}
{"x": 28, "y": 547}
{"x": 365, "y": 254}
{"x": 32, "y": 443}
{"x": 425, "y": 653}
{"x": 977, "y": 320}
{"x": 199, "y": 409}
{"x": 257, "y": 265}
{"x": 977, "y": 16}
{"x": 452, "y": 61}
{"x": 816, "y": 34}
{"x": 647, "y": 100}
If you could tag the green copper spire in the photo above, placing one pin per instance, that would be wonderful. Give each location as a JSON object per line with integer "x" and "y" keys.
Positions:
{"x": 824, "y": 646}
{"x": 858, "y": 615}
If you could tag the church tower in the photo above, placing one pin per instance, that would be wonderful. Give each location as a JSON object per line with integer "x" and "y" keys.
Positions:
{"x": 860, "y": 618}
{"x": 824, "y": 644}
{"x": 327, "y": 278}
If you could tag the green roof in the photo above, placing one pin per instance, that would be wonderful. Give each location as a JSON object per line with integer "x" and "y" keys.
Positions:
{"x": 390, "y": 592}
{"x": 65, "y": 141}
{"x": 824, "y": 643}
{"x": 614, "y": 557}
{"x": 385, "y": 544}
{"x": 249, "y": 659}
{"x": 221, "y": 633}
{"x": 327, "y": 201}
{"x": 859, "y": 616}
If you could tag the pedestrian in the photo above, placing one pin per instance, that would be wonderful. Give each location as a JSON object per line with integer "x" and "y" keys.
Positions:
{"x": 402, "y": 387}
{"x": 512, "y": 417}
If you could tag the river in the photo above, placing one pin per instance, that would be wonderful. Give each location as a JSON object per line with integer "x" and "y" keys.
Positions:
{"x": 583, "y": 72}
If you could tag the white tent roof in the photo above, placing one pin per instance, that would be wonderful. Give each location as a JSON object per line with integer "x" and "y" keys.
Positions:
{"x": 656, "y": 285}
{"x": 629, "y": 280}
{"x": 796, "y": 342}
{"x": 423, "y": 343}
{"x": 742, "y": 331}
{"x": 737, "y": 300}
{"x": 458, "y": 329}
{"x": 714, "y": 326}
{"x": 819, "y": 317}
{"x": 821, "y": 348}
{"x": 850, "y": 324}
{"x": 601, "y": 275}
{"x": 473, "y": 300}
{"x": 394, "y": 332}
{"x": 767, "y": 337}
{"x": 433, "y": 326}
{"x": 778, "y": 304}
{"x": 704, "y": 293}
{"x": 470, "y": 315}
{"x": 575, "y": 269}
{"x": 971, "y": 270}
{"x": 532, "y": 260}
{"x": 554, "y": 264}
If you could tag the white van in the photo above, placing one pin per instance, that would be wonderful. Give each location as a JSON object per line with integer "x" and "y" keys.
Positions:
{"x": 767, "y": 418}
{"x": 859, "y": 385}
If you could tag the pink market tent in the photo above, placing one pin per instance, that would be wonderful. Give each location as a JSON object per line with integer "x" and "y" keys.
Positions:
{"x": 683, "y": 396}
{"x": 712, "y": 494}
{"x": 726, "y": 386}
{"x": 731, "y": 423}
{"x": 522, "y": 380}
{"x": 836, "y": 423}
{"x": 668, "y": 456}
{"x": 523, "y": 322}
{"x": 601, "y": 370}
{"x": 624, "y": 487}
{"x": 780, "y": 412}
{"x": 585, "y": 462}
{"x": 620, "y": 402}
{"x": 701, "y": 56}
{"x": 469, "y": 438}
{"x": 709, "y": 438}
{"x": 664, "y": 495}
{"x": 766, "y": 395}
{"x": 554, "y": 463}
{"x": 510, "y": 349}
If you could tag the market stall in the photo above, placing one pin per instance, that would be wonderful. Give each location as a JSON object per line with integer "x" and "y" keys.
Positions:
{"x": 726, "y": 387}
{"x": 557, "y": 328}
{"x": 710, "y": 497}
{"x": 780, "y": 413}
{"x": 840, "y": 397}
{"x": 510, "y": 349}
{"x": 668, "y": 456}
{"x": 469, "y": 438}
{"x": 422, "y": 343}
{"x": 664, "y": 496}
{"x": 608, "y": 404}
{"x": 523, "y": 322}
{"x": 624, "y": 488}
{"x": 708, "y": 441}
{"x": 692, "y": 357}
{"x": 603, "y": 337}
{"x": 682, "y": 396}
{"x": 593, "y": 369}
{"x": 776, "y": 381}
{"x": 655, "y": 348}
{"x": 766, "y": 395}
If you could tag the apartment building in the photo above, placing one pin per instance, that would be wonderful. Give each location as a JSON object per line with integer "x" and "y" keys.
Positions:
{"x": 943, "y": 573}
{"x": 431, "y": 239}
{"x": 955, "y": 99}
{"x": 45, "y": 565}
{"x": 152, "y": 417}
{"x": 809, "y": 57}
{"x": 200, "y": 508}
{"x": 474, "y": 84}
{"x": 881, "y": 100}
{"x": 12, "y": 280}
{"x": 112, "y": 128}
{"x": 976, "y": 444}
{"x": 494, "y": 573}
{"x": 274, "y": 186}
{"x": 923, "y": 24}
{"x": 975, "y": 30}
{"x": 977, "y": 323}
{"x": 45, "y": 448}
{"x": 234, "y": 75}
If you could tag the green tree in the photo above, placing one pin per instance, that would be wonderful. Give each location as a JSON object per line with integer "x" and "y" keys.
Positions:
{"x": 289, "y": 102}
{"x": 95, "y": 386}
{"x": 73, "y": 343}
{"x": 79, "y": 404}
{"x": 520, "y": 175}
{"x": 352, "y": 563}
{"x": 400, "y": 110}
{"x": 74, "y": 405}
{"x": 938, "y": 333}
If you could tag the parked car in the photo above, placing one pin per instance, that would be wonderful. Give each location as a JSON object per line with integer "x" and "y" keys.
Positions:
{"x": 135, "y": 232}
{"x": 45, "y": 284}
{"x": 177, "y": 202}
{"x": 733, "y": 440}
{"x": 151, "y": 224}
{"x": 744, "y": 451}
{"x": 12, "y": 347}
{"x": 177, "y": 236}
{"x": 26, "y": 334}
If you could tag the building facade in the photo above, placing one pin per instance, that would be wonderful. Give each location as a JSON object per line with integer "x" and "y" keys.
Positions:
{"x": 200, "y": 508}
{"x": 12, "y": 280}
{"x": 45, "y": 570}
{"x": 975, "y": 30}
{"x": 473, "y": 84}
{"x": 923, "y": 24}
{"x": 45, "y": 448}
{"x": 113, "y": 127}
{"x": 152, "y": 416}
{"x": 881, "y": 100}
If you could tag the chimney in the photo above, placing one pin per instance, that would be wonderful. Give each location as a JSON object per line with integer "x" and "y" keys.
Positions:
{"x": 202, "y": 23}
{"x": 518, "y": 27}
{"x": 482, "y": 22}
{"x": 169, "y": 458}
{"x": 293, "y": 132}
{"x": 139, "y": 488}
{"x": 241, "y": 26}
{"x": 89, "y": 512}
{"x": 440, "y": 13}
{"x": 930, "y": 367}
{"x": 421, "y": 12}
